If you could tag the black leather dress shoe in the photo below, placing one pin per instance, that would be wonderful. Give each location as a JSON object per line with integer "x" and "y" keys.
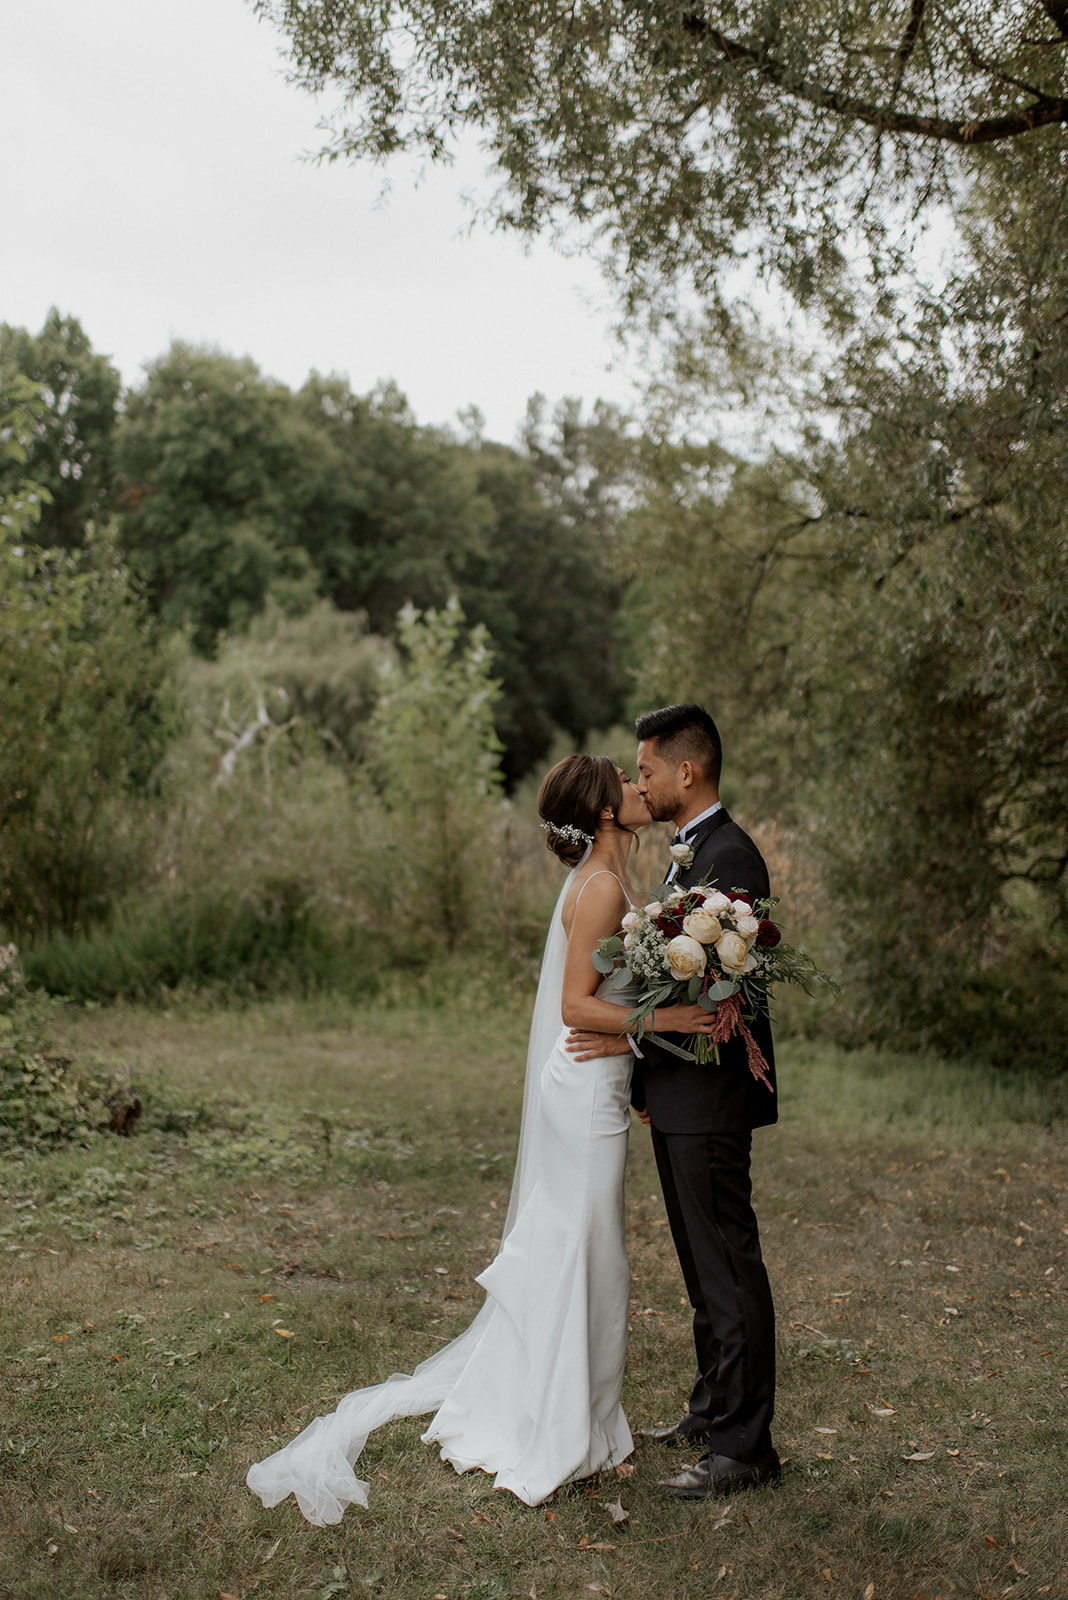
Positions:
{"x": 688, "y": 1430}
{"x": 722, "y": 1475}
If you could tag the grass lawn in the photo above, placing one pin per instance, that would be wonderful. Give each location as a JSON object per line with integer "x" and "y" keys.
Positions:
{"x": 175, "y": 1304}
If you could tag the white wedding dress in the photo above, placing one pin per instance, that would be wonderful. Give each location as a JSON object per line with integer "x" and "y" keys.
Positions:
{"x": 530, "y": 1392}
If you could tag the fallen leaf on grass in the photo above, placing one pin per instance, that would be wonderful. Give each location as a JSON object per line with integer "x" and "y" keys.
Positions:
{"x": 919, "y": 1455}
{"x": 825, "y": 1430}
{"x": 869, "y": 1593}
{"x": 626, "y": 1470}
{"x": 991, "y": 1542}
{"x": 284, "y": 1333}
{"x": 617, "y": 1513}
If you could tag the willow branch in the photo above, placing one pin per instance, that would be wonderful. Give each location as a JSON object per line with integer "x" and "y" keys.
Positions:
{"x": 1043, "y": 111}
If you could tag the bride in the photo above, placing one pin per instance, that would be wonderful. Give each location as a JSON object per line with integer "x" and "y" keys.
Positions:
{"x": 531, "y": 1391}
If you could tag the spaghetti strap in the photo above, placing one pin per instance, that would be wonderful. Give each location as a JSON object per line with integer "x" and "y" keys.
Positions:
{"x": 601, "y": 872}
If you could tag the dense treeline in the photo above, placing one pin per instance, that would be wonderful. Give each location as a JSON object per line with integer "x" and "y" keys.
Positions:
{"x": 230, "y": 491}
{"x": 228, "y": 763}
{"x": 230, "y": 616}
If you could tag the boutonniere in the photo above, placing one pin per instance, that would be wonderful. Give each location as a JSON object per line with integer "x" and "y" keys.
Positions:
{"x": 682, "y": 855}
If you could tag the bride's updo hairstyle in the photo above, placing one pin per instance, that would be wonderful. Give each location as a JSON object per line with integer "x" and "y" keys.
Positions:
{"x": 570, "y": 801}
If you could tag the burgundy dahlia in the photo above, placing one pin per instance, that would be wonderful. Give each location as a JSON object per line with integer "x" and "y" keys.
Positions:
{"x": 768, "y": 934}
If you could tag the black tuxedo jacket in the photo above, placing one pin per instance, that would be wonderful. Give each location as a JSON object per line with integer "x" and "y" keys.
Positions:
{"x": 718, "y": 1097}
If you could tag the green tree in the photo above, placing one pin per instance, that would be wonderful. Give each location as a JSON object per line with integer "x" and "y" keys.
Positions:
{"x": 558, "y": 660}
{"x": 70, "y": 450}
{"x": 406, "y": 514}
{"x": 82, "y": 726}
{"x": 435, "y": 752}
{"x": 893, "y": 597}
{"x": 680, "y": 136}
{"x": 216, "y": 465}
{"x": 945, "y": 495}
{"x": 23, "y": 500}
{"x": 394, "y": 514}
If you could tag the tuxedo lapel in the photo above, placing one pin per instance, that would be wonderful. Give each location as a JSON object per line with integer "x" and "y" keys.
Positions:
{"x": 708, "y": 828}
{"x": 686, "y": 876}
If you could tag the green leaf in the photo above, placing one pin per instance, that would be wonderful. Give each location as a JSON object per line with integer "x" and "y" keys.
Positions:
{"x": 718, "y": 991}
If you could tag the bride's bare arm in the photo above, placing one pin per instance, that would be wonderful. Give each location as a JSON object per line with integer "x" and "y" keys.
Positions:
{"x": 597, "y": 915}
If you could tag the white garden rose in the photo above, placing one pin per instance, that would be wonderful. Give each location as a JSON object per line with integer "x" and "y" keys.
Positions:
{"x": 653, "y": 909}
{"x": 631, "y": 922}
{"x": 733, "y": 952}
{"x": 716, "y": 902}
{"x": 702, "y": 925}
{"x": 685, "y": 957}
{"x": 630, "y": 940}
{"x": 747, "y": 926}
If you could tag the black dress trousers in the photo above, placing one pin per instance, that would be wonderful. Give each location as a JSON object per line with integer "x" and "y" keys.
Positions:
{"x": 708, "y": 1194}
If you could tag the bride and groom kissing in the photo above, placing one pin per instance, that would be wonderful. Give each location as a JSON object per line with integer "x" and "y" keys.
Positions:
{"x": 530, "y": 1391}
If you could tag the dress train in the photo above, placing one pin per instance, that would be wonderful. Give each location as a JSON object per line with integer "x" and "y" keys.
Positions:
{"x": 530, "y": 1391}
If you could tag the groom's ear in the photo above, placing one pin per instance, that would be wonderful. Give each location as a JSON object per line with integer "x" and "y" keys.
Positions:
{"x": 689, "y": 774}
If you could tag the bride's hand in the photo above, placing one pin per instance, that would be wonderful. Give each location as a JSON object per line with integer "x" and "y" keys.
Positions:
{"x": 683, "y": 1019}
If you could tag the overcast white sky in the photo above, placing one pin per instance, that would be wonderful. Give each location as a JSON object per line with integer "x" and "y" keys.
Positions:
{"x": 151, "y": 184}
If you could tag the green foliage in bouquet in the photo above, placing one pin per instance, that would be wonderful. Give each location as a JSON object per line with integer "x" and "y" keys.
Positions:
{"x": 700, "y": 946}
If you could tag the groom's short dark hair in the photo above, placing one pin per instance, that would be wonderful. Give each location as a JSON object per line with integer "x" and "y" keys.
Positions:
{"x": 684, "y": 733}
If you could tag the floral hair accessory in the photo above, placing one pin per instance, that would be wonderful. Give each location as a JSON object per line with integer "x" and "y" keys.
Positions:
{"x": 567, "y": 830}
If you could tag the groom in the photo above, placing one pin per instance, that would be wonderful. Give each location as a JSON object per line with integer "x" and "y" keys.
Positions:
{"x": 702, "y": 1117}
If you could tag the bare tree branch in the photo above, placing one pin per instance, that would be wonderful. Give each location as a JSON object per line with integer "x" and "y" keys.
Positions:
{"x": 1057, "y": 12}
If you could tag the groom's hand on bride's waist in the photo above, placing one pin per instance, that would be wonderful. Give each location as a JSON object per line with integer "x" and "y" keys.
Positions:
{"x": 586, "y": 1046}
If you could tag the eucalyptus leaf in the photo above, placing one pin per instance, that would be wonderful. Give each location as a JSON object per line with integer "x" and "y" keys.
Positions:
{"x": 603, "y": 963}
{"x": 721, "y": 991}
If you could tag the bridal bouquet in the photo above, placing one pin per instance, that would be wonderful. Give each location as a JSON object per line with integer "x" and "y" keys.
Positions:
{"x": 701, "y": 946}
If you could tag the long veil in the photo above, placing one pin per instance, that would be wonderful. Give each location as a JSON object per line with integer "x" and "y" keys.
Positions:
{"x": 317, "y": 1466}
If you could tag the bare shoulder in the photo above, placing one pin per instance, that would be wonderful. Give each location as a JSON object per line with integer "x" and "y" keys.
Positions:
{"x": 595, "y": 900}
